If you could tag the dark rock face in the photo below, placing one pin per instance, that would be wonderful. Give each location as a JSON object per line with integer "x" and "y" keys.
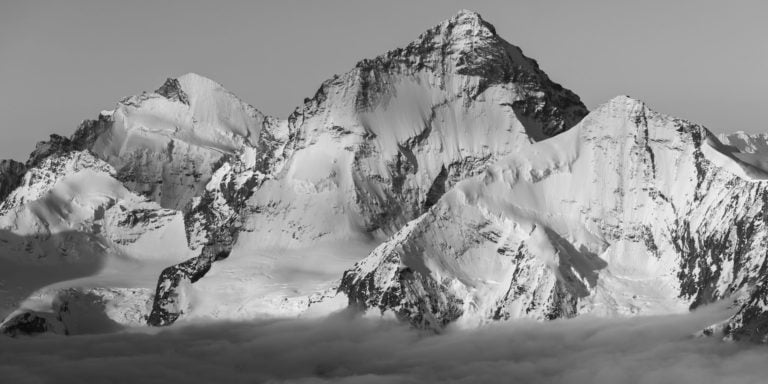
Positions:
{"x": 11, "y": 173}
{"x": 166, "y": 307}
{"x": 172, "y": 90}
{"x": 83, "y": 138}
{"x": 56, "y": 145}
{"x": 75, "y": 312}
{"x": 437, "y": 189}
{"x": 752, "y": 319}
{"x": 29, "y": 323}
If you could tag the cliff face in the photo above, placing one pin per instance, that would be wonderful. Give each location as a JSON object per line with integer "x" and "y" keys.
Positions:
{"x": 11, "y": 173}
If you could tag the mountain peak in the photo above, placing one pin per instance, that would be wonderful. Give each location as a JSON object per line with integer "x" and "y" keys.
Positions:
{"x": 465, "y": 29}
{"x": 190, "y": 84}
{"x": 172, "y": 90}
{"x": 195, "y": 91}
{"x": 192, "y": 76}
{"x": 464, "y": 44}
{"x": 195, "y": 84}
{"x": 467, "y": 23}
{"x": 192, "y": 79}
{"x": 626, "y": 106}
{"x": 466, "y": 47}
{"x": 626, "y": 101}
{"x": 467, "y": 13}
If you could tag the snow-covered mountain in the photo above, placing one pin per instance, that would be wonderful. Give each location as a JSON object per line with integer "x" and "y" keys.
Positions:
{"x": 104, "y": 208}
{"x": 373, "y": 149}
{"x": 746, "y": 143}
{"x": 629, "y": 212}
{"x": 450, "y": 181}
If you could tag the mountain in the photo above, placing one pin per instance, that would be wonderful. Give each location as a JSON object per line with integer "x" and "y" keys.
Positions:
{"x": 374, "y": 148}
{"x": 446, "y": 182}
{"x": 746, "y": 143}
{"x": 103, "y": 211}
{"x": 629, "y": 212}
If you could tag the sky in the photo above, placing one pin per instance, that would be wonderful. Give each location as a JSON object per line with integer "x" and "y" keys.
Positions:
{"x": 65, "y": 61}
{"x": 349, "y": 349}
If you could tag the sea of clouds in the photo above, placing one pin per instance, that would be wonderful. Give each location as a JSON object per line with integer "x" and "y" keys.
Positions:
{"x": 345, "y": 348}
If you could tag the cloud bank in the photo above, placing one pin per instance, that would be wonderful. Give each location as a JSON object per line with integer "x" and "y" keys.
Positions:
{"x": 349, "y": 349}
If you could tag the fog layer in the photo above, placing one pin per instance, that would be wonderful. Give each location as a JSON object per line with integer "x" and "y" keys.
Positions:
{"x": 346, "y": 348}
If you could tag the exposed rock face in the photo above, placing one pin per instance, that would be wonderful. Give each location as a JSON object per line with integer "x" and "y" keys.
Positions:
{"x": 83, "y": 139}
{"x": 30, "y": 323}
{"x": 11, "y": 173}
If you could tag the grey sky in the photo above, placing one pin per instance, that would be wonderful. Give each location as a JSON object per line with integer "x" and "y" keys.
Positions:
{"x": 64, "y": 61}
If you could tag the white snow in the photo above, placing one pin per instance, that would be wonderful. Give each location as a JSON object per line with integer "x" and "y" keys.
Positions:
{"x": 275, "y": 282}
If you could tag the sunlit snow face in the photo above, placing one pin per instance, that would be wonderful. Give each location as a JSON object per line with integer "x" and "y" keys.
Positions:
{"x": 346, "y": 349}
